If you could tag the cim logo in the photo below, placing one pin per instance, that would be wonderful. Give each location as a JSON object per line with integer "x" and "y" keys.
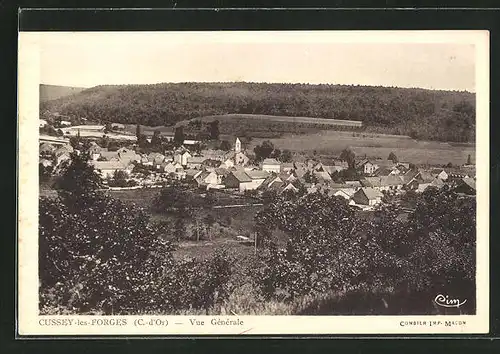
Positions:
{"x": 446, "y": 301}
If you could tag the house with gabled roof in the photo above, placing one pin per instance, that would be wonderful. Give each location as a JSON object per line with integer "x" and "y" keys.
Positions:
{"x": 391, "y": 182}
{"x": 238, "y": 180}
{"x": 322, "y": 176}
{"x": 288, "y": 187}
{"x": 367, "y": 196}
{"x": 289, "y": 177}
{"x": 206, "y": 178}
{"x": 192, "y": 174}
{"x": 386, "y": 171}
{"x": 340, "y": 193}
{"x": 439, "y": 173}
{"x": 456, "y": 174}
{"x": 182, "y": 157}
{"x": 371, "y": 182}
{"x": 436, "y": 182}
{"x": 271, "y": 165}
{"x": 46, "y": 149}
{"x": 248, "y": 180}
{"x": 366, "y": 166}
{"x": 171, "y": 167}
{"x": 45, "y": 162}
{"x": 195, "y": 162}
{"x": 465, "y": 186}
{"x": 108, "y": 168}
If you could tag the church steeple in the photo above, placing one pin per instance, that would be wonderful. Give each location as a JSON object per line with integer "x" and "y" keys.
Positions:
{"x": 237, "y": 145}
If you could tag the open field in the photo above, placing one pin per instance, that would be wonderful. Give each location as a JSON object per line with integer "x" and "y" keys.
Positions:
{"x": 94, "y": 132}
{"x": 147, "y": 130}
{"x": 286, "y": 119}
{"x": 373, "y": 145}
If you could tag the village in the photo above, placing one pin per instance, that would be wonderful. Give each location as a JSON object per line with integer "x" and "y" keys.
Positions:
{"x": 363, "y": 182}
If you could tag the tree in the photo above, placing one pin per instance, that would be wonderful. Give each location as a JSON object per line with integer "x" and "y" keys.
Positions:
{"x": 197, "y": 148}
{"x": 119, "y": 179}
{"x": 276, "y": 154}
{"x": 176, "y": 200}
{"x": 138, "y": 132}
{"x": 286, "y": 156}
{"x": 142, "y": 142}
{"x": 57, "y": 122}
{"x": 213, "y": 128}
{"x": 75, "y": 141}
{"x": 113, "y": 145}
{"x": 156, "y": 139}
{"x": 179, "y": 135}
{"x": 264, "y": 150}
{"x": 104, "y": 141}
{"x": 309, "y": 177}
{"x": 469, "y": 160}
{"x": 108, "y": 128}
{"x": 225, "y": 145}
{"x": 44, "y": 172}
{"x": 106, "y": 257}
{"x": 78, "y": 180}
{"x": 392, "y": 157}
{"x": 348, "y": 156}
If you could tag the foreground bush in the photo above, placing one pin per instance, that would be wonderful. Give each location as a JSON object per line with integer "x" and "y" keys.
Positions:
{"x": 330, "y": 251}
{"x": 100, "y": 255}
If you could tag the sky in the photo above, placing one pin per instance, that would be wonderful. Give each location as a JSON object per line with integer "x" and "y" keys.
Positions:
{"x": 379, "y": 59}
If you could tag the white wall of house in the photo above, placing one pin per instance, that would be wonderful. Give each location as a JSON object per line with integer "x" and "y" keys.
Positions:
{"x": 254, "y": 184}
{"x": 272, "y": 168}
{"x": 370, "y": 168}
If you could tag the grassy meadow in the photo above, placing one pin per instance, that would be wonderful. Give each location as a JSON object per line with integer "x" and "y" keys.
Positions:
{"x": 373, "y": 146}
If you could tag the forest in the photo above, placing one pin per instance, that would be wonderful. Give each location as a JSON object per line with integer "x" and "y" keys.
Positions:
{"x": 419, "y": 113}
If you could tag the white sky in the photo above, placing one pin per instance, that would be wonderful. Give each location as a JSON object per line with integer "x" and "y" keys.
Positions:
{"x": 444, "y": 60}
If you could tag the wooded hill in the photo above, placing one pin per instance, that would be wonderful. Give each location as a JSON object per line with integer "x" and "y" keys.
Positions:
{"x": 420, "y": 113}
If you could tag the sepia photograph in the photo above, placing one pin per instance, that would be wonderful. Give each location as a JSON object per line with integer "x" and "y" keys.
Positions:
{"x": 239, "y": 174}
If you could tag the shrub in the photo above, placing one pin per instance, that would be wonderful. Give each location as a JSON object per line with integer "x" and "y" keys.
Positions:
{"x": 328, "y": 250}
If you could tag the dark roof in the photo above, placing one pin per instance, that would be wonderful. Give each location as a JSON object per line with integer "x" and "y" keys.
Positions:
{"x": 371, "y": 182}
{"x": 257, "y": 174}
{"x": 383, "y": 171}
{"x": 241, "y": 176}
{"x": 470, "y": 182}
{"x": 222, "y": 171}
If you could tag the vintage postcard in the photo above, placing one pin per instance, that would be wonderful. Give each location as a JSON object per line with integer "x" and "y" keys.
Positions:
{"x": 255, "y": 183}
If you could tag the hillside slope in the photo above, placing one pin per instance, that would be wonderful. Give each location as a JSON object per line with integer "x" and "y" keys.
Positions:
{"x": 52, "y": 92}
{"x": 424, "y": 114}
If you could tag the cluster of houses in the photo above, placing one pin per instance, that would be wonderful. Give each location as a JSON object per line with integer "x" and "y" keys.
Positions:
{"x": 233, "y": 171}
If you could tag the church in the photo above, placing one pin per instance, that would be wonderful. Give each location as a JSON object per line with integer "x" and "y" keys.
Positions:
{"x": 236, "y": 157}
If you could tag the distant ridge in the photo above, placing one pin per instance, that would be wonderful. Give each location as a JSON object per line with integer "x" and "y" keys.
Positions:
{"x": 52, "y": 92}
{"x": 420, "y": 113}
